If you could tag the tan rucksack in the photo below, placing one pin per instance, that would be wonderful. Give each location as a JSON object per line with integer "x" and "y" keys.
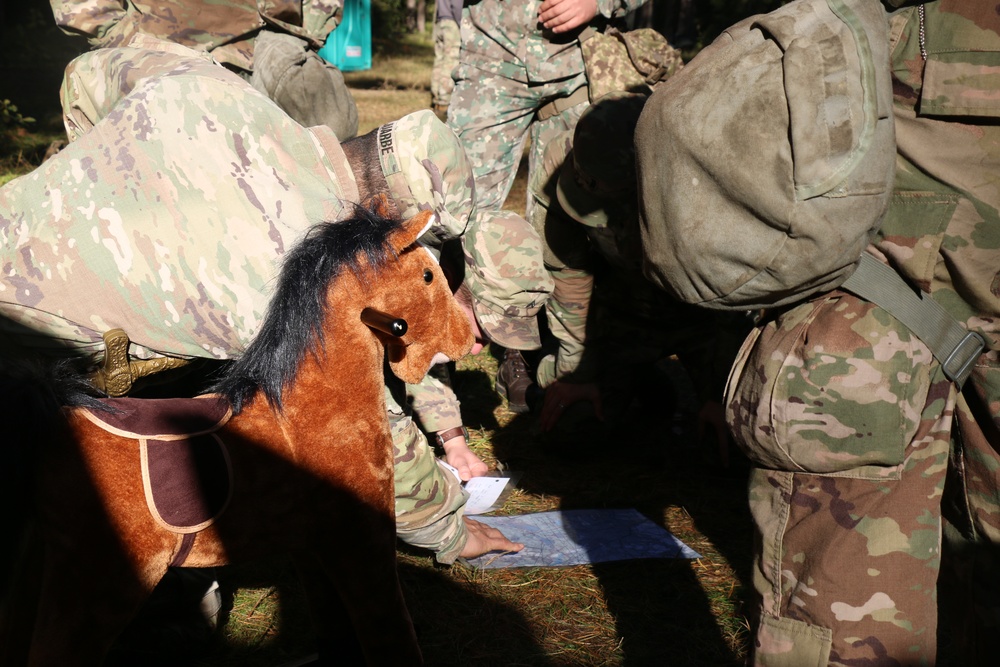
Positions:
{"x": 765, "y": 165}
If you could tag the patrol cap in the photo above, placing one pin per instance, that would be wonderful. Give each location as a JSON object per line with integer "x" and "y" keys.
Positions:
{"x": 306, "y": 87}
{"x": 504, "y": 272}
{"x": 598, "y": 179}
{"x": 426, "y": 168}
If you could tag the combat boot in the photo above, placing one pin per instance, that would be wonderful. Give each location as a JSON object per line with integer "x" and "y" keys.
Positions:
{"x": 513, "y": 381}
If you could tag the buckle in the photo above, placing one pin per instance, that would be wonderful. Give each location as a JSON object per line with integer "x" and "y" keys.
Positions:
{"x": 958, "y": 365}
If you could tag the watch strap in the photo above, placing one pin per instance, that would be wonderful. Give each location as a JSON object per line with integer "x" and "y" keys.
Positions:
{"x": 444, "y": 436}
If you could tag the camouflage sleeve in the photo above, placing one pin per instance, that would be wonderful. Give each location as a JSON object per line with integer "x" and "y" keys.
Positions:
{"x": 94, "y": 19}
{"x": 430, "y": 501}
{"x": 313, "y": 21}
{"x": 435, "y": 404}
{"x": 320, "y": 17}
{"x": 568, "y": 258}
{"x": 567, "y": 310}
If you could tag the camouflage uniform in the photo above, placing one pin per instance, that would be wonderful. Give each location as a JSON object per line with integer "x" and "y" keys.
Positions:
{"x": 865, "y": 452}
{"x": 272, "y": 45}
{"x": 509, "y": 68}
{"x": 447, "y": 44}
{"x": 610, "y": 323}
{"x": 169, "y": 211}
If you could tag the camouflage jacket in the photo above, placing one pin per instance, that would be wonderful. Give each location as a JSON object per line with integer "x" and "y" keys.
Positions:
{"x": 504, "y": 37}
{"x": 942, "y": 230}
{"x": 172, "y": 160}
{"x": 181, "y": 189}
{"x": 226, "y": 28}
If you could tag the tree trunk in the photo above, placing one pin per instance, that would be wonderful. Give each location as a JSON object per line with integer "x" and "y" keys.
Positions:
{"x": 411, "y": 16}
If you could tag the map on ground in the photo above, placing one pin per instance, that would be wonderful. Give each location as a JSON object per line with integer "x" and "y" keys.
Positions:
{"x": 576, "y": 537}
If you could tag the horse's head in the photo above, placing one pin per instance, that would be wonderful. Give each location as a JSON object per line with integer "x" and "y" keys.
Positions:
{"x": 420, "y": 296}
{"x": 386, "y": 271}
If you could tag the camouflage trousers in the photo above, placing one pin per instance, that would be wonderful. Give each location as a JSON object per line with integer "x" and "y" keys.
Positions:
{"x": 863, "y": 450}
{"x": 447, "y": 45}
{"x": 494, "y": 115}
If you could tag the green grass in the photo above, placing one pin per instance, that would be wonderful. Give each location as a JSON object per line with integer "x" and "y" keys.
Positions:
{"x": 22, "y": 149}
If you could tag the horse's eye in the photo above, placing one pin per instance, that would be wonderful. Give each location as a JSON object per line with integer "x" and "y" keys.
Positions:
{"x": 428, "y": 276}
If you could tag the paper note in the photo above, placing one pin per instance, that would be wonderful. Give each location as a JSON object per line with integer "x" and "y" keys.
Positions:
{"x": 485, "y": 493}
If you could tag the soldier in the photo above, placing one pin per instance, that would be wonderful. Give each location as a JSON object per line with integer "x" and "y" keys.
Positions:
{"x": 612, "y": 327}
{"x": 447, "y": 44}
{"x": 274, "y": 46}
{"x": 866, "y": 452}
{"x": 167, "y": 213}
{"x": 521, "y": 71}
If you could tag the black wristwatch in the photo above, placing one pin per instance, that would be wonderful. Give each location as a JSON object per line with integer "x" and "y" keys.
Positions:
{"x": 444, "y": 436}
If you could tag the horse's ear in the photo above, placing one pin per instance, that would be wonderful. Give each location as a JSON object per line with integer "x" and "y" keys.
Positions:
{"x": 379, "y": 205}
{"x": 411, "y": 230}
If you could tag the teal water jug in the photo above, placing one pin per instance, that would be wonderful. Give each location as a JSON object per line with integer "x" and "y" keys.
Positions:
{"x": 349, "y": 46}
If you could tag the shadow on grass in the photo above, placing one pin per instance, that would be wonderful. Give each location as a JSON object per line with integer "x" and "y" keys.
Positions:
{"x": 458, "y": 625}
{"x": 676, "y": 612}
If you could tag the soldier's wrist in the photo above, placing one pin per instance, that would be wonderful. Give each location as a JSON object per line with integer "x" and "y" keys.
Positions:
{"x": 448, "y": 435}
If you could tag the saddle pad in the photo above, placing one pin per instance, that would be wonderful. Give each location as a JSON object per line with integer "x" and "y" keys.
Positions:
{"x": 186, "y": 471}
{"x": 162, "y": 418}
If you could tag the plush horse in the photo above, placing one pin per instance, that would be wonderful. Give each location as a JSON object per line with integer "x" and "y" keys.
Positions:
{"x": 297, "y": 435}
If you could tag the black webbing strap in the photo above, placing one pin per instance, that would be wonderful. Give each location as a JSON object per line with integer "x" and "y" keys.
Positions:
{"x": 956, "y": 348}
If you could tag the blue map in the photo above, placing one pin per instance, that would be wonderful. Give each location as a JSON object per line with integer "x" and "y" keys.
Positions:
{"x": 576, "y": 537}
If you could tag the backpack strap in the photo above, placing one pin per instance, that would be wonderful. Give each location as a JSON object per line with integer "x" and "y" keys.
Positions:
{"x": 560, "y": 104}
{"x": 952, "y": 345}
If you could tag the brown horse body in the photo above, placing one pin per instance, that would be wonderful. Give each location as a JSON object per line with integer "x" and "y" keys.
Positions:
{"x": 311, "y": 458}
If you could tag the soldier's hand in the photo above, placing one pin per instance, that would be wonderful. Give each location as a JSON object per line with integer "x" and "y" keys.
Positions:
{"x": 564, "y": 15}
{"x": 464, "y": 460}
{"x": 561, "y": 395}
{"x": 483, "y": 538}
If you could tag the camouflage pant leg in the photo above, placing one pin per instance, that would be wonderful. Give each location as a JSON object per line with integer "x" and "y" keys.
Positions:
{"x": 546, "y": 131}
{"x": 848, "y": 420}
{"x": 447, "y": 44}
{"x": 970, "y": 586}
{"x": 492, "y": 116}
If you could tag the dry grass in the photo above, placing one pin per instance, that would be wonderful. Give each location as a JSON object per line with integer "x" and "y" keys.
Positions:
{"x": 646, "y": 612}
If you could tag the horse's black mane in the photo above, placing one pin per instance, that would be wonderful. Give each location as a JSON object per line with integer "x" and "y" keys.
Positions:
{"x": 295, "y": 315}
